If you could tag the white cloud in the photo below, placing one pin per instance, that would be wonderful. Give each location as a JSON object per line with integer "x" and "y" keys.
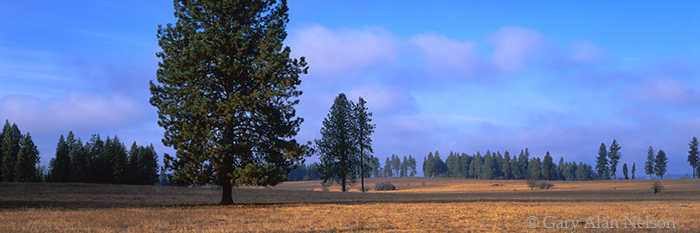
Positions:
{"x": 585, "y": 51}
{"x": 514, "y": 44}
{"x": 663, "y": 90}
{"x": 442, "y": 53}
{"x": 74, "y": 111}
{"x": 332, "y": 52}
{"x": 384, "y": 98}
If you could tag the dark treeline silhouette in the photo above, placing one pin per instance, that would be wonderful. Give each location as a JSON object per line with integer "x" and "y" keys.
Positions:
{"x": 19, "y": 156}
{"x": 503, "y": 166}
{"x": 396, "y": 167}
{"x": 393, "y": 167}
{"x": 303, "y": 172}
{"x": 98, "y": 161}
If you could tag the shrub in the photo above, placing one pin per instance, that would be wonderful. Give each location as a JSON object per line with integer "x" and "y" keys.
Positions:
{"x": 423, "y": 183}
{"x": 325, "y": 189}
{"x": 531, "y": 183}
{"x": 545, "y": 185}
{"x": 381, "y": 186}
{"x": 657, "y": 187}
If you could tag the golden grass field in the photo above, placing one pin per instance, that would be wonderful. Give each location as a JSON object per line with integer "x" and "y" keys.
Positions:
{"x": 419, "y": 205}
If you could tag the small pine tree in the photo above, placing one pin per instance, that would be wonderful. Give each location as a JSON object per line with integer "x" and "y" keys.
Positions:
{"x": 523, "y": 160}
{"x": 404, "y": 167}
{"x": 649, "y": 164}
{"x": 27, "y": 161}
{"x": 11, "y": 140}
{"x": 505, "y": 166}
{"x": 624, "y": 171}
{"x": 535, "y": 168}
{"x": 601, "y": 165}
{"x": 634, "y": 169}
{"x": 475, "y": 166}
{"x": 660, "y": 167}
{"x": 428, "y": 165}
{"x": 387, "y": 168}
{"x": 60, "y": 164}
{"x": 515, "y": 168}
{"x": 396, "y": 165}
{"x": 693, "y": 159}
{"x": 412, "y": 164}
{"x": 440, "y": 168}
{"x": 614, "y": 156}
{"x": 548, "y": 167}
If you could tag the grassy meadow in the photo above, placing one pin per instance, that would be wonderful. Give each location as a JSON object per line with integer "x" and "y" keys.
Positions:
{"x": 418, "y": 205}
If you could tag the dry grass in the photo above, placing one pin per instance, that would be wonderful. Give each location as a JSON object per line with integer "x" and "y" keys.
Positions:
{"x": 439, "y": 205}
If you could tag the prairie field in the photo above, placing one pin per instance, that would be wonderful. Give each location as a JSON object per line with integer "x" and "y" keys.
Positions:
{"x": 418, "y": 205}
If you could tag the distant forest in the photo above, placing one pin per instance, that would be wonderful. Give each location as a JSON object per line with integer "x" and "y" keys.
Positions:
{"x": 19, "y": 156}
{"x": 96, "y": 161}
{"x": 503, "y": 166}
{"x": 393, "y": 167}
{"x": 477, "y": 166}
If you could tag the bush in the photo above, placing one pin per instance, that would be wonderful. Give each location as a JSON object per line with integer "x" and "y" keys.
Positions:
{"x": 531, "y": 183}
{"x": 545, "y": 185}
{"x": 382, "y": 186}
{"x": 657, "y": 187}
{"x": 325, "y": 189}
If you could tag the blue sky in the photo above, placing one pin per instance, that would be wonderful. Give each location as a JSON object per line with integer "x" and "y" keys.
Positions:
{"x": 458, "y": 76}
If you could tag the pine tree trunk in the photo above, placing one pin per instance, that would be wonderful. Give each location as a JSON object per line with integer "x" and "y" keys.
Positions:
{"x": 343, "y": 183}
{"x": 227, "y": 194}
{"x": 362, "y": 166}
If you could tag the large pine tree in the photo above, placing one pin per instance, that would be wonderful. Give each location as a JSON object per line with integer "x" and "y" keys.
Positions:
{"x": 226, "y": 93}
{"x": 364, "y": 129}
{"x": 337, "y": 146}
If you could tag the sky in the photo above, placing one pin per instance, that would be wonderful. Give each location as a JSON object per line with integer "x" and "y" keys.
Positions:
{"x": 462, "y": 76}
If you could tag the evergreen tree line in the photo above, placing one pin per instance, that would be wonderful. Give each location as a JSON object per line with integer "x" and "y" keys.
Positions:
{"x": 19, "y": 156}
{"x": 393, "y": 167}
{"x": 98, "y": 161}
{"x": 503, "y": 166}
{"x": 303, "y": 172}
{"x": 396, "y": 167}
